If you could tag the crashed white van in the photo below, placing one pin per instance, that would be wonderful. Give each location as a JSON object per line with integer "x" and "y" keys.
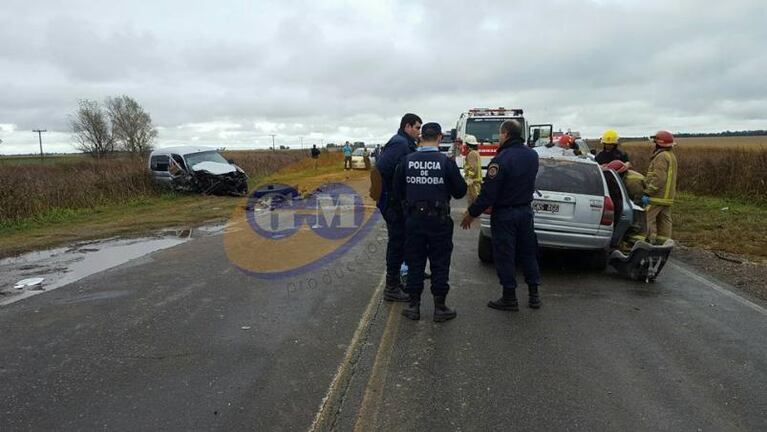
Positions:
{"x": 197, "y": 169}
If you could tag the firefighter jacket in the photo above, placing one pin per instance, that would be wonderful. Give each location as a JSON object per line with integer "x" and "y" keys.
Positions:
{"x": 635, "y": 184}
{"x": 660, "y": 182}
{"x": 472, "y": 167}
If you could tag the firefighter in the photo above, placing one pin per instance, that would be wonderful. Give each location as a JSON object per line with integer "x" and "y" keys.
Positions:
{"x": 427, "y": 179}
{"x": 472, "y": 168}
{"x": 508, "y": 187}
{"x": 390, "y": 205}
{"x": 634, "y": 181}
{"x": 610, "y": 149}
{"x": 660, "y": 188}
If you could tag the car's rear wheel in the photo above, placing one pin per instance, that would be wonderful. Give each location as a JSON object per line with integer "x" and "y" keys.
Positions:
{"x": 485, "y": 248}
{"x": 598, "y": 260}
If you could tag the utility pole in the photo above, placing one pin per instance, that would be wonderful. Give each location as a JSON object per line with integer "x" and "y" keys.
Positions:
{"x": 40, "y": 138}
{"x": 272, "y": 135}
{"x": 302, "y": 142}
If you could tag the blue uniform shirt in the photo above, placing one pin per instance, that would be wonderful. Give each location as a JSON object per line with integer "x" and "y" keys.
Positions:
{"x": 510, "y": 178}
{"x": 428, "y": 175}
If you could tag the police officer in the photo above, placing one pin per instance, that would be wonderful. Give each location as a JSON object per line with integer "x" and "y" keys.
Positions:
{"x": 426, "y": 180}
{"x": 508, "y": 187}
{"x": 399, "y": 146}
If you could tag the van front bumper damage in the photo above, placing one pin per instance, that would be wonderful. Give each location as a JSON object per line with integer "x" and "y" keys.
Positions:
{"x": 231, "y": 183}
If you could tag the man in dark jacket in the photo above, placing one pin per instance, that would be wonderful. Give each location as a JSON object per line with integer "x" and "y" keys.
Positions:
{"x": 400, "y": 145}
{"x": 426, "y": 180}
{"x": 508, "y": 188}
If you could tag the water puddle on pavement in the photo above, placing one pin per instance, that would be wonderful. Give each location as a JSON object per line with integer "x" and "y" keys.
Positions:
{"x": 64, "y": 265}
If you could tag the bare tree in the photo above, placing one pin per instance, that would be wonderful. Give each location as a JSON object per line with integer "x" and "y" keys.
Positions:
{"x": 131, "y": 125}
{"x": 92, "y": 130}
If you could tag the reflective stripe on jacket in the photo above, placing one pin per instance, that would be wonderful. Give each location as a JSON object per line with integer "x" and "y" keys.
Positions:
{"x": 660, "y": 182}
{"x": 473, "y": 167}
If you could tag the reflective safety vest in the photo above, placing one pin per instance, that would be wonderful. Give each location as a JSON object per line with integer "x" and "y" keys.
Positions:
{"x": 660, "y": 182}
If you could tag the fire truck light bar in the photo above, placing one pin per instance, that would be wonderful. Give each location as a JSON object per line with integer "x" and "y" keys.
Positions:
{"x": 500, "y": 111}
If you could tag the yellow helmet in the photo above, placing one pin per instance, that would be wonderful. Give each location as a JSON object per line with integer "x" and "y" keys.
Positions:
{"x": 610, "y": 137}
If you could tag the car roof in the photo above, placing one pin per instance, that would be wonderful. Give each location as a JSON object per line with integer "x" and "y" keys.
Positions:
{"x": 579, "y": 159}
{"x": 182, "y": 150}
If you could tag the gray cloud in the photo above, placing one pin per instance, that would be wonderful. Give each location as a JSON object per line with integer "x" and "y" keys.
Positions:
{"x": 231, "y": 73}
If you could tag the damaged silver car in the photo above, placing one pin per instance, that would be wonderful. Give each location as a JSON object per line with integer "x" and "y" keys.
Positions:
{"x": 197, "y": 169}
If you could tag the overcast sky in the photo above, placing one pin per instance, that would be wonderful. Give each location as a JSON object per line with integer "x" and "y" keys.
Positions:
{"x": 229, "y": 73}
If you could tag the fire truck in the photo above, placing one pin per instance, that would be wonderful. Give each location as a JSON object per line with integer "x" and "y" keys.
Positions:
{"x": 484, "y": 124}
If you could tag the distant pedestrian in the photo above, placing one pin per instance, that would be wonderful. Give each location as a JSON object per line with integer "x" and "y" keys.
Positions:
{"x": 315, "y": 155}
{"x": 508, "y": 188}
{"x": 426, "y": 180}
{"x": 366, "y": 158}
{"x": 660, "y": 188}
{"x": 390, "y": 204}
{"x": 347, "y": 149}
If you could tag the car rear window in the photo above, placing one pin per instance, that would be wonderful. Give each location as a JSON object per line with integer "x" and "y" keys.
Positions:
{"x": 569, "y": 177}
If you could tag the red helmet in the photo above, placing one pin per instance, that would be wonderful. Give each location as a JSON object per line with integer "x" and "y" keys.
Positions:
{"x": 664, "y": 139}
{"x": 566, "y": 141}
{"x": 617, "y": 165}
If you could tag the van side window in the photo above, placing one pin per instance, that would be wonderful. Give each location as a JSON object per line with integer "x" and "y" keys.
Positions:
{"x": 179, "y": 160}
{"x": 159, "y": 163}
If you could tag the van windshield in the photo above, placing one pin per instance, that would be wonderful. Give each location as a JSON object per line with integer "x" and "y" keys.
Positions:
{"x": 206, "y": 156}
{"x": 565, "y": 176}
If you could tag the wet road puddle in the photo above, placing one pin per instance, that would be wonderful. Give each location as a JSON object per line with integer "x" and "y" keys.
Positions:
{"x": 62, "y": 266}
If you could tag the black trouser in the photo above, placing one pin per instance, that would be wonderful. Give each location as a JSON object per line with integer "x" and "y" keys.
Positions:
{"x": 395, "y": 246}
{"x": 428, "y": 237}
{"x": 514, "y": 240}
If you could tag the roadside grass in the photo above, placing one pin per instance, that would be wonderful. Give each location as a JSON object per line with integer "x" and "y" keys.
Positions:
{"x": 714, "y": 223}
{"x": 15, "y": 160}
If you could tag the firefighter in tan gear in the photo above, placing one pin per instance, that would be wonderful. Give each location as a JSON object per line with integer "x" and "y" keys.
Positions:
{"x": 660, "y": 188}
{"x": 472, "y": 167}
{"x": 634, "y": 181}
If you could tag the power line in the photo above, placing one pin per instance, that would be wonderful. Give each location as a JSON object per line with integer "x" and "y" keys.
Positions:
{"x": 40, "y": 138}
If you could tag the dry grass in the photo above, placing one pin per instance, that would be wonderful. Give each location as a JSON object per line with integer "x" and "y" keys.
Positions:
{"x": 30, "y": 191}
{"x": 730, "y": 167}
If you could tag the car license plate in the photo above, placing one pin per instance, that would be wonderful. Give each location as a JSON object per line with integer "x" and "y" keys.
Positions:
{"x": 546, "y": 207}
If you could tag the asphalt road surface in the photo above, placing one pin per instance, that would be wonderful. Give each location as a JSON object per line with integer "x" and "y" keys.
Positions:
{"x": 182, "y": 340}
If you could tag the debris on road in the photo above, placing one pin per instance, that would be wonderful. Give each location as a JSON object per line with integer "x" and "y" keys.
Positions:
{"x": 31, "y": 282}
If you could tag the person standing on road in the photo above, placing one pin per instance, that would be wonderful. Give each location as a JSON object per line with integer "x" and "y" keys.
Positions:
{"x": 390, "y": 205}
{"x": 660, "y": 188}
{"x": 610, "y": 150}
{"x": 426, "y": 180}
{"x": 472, "y": 168}
{"x": 347, "y": 149}
{"x": 508, "y": 187}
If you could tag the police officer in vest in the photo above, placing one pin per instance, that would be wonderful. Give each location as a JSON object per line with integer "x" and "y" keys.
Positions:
{"x": 508, "y": 187}
{"x": 426, "y": 180}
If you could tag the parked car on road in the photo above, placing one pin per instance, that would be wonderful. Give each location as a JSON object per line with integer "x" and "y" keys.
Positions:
{"x": 197, "y": 169}
{"x": 361, "y": 159}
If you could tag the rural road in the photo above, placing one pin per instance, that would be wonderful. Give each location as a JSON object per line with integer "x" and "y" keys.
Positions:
{"x": 182, "y": 340}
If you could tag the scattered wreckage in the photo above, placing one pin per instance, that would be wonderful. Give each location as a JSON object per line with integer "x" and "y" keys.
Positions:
{"x": 197, "y": 169}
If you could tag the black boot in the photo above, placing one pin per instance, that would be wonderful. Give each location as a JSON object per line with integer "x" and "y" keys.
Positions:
{"x": 394, "y": 293}
{"x": 413, "y": 309}
{"x": 534, "y": 300}
{"x": 507, "y": 302}
{"x": 442, "y": 313}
